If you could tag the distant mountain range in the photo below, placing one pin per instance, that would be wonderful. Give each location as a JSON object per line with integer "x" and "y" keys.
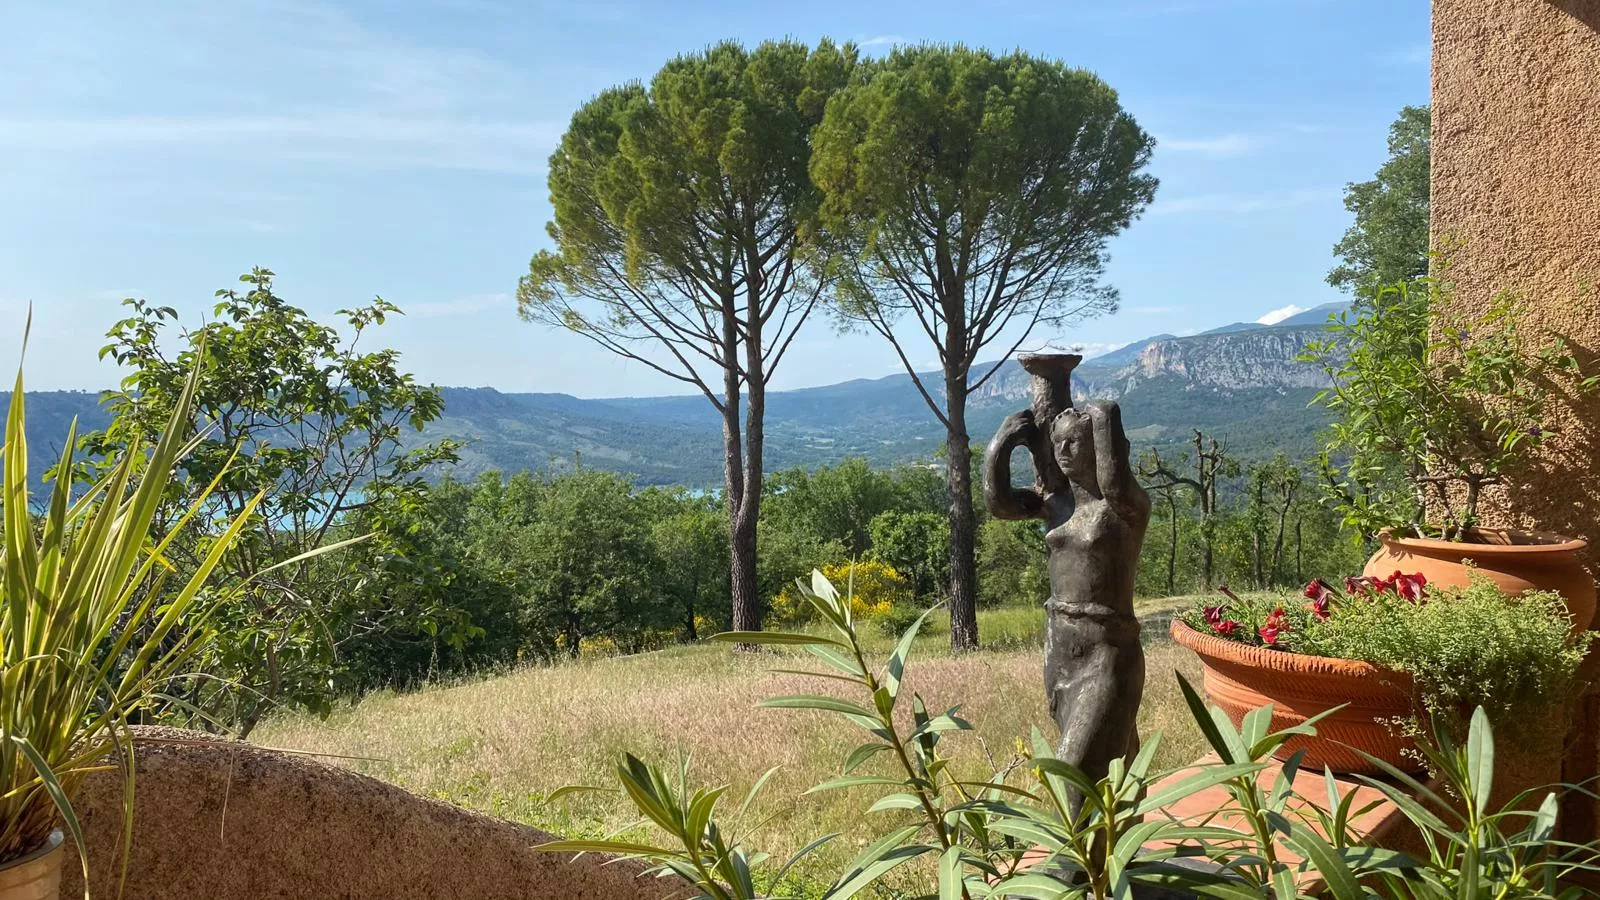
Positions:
{"x": 1241, "y": 381}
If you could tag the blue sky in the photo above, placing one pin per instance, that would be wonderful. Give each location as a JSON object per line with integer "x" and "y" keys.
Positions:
{"x": 161, "y": 149}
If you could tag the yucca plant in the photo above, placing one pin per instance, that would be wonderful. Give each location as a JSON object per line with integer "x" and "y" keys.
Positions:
{"x": 93, "y": 627}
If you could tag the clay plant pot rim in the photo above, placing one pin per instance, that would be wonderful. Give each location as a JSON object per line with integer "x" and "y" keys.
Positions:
{"x": 50, "y": 846}
{"x": 1209, "y": 646}
{"x": 1511, "y": 542}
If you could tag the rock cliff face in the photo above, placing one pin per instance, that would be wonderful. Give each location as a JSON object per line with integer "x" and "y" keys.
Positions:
{"x": 1222, "y": 362}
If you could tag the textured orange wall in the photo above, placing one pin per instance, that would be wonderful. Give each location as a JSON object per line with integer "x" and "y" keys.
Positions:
{"x": 1516, "y": 199}
{"x": 1516, "y": 192}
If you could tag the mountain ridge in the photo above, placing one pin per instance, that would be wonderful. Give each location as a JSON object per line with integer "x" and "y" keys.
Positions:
{"x": 1245, "y": 382}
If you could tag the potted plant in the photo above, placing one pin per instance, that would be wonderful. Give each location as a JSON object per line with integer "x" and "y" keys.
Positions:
{"x": 1394, "y": 652}
{"x": 1437, "y": 408}
{"x": 93, "y": 628}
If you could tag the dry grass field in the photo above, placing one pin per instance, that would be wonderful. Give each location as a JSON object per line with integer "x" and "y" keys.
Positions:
{"x": 502, "y": 745}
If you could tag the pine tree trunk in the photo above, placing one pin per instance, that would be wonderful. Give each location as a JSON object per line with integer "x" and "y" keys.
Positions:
{"x": 741, "y": 512}
{"x": 742, "y": 541}
{"x": 963, "y": 522}
{"x": 746, "y": 600}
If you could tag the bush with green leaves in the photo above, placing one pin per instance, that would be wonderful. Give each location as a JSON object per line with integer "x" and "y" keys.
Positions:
{"x": 321, "y": 428}
{"x": 1037, "y": 827}
{"x": 1435, "y": 404}
{"x": 1464, "y": 648}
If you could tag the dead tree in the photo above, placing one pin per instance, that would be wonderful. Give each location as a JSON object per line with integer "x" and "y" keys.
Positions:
{"x": 1211, "y": 463}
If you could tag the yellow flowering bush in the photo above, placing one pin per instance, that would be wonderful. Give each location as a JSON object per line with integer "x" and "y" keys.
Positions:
{"x": 874, "y": 588}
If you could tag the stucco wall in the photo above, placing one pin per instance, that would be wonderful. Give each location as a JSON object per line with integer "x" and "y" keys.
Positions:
{"x": 1516, "y": 200}
{"x": 1516, "y": 193}
{"x": 223, "y": 819}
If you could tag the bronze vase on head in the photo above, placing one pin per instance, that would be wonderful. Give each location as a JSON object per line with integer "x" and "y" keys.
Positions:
{"x": 1051, "y": 392}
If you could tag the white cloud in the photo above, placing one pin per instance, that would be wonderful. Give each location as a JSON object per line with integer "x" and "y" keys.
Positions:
{"x": 882, "y": 40}
{"x": 1096, "y": 348}
{"x": 458, "y": 306}
{"x": 322, "y": 83}
{"x": 1245, "y": 202}
{"x": 1281, "y": 313}
{"x": 1221, "y": 146}
{"x": 1088, "y": 349}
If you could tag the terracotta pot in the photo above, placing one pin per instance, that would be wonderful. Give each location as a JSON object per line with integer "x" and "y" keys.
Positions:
{"x": 1239, "y": 678}
{"x": 36, "y": 876}
{"x": 1517, "y": 561}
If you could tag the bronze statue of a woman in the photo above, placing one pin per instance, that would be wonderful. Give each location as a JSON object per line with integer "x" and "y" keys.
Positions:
{"x": 1095, "y": 515}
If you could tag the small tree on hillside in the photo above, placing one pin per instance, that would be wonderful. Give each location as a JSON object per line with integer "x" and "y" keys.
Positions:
{"x": 917, "y": 544}
{"x": 325, "y": 432}
{"x": 1274, "y": 486}
{"x": 689, "y": 546}
{"x": 1211, "y": 463}
{"x": 681, "y": 209}
{"x": 974, "y": 194}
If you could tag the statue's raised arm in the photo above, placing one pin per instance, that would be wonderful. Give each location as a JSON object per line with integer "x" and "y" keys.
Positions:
{"x": 1113, "y": 462}
{"x": 1003, "y": 499}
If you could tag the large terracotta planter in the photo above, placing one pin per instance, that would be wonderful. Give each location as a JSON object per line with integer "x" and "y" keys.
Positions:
{"x": 1517, "y": 561}
{"x": 36, "y": 876}
{"x": 1239, "y": 678}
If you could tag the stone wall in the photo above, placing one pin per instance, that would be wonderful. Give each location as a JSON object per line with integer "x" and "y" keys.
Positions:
{"x": 218, "y": 819}
{"x": 1516, "y": 198}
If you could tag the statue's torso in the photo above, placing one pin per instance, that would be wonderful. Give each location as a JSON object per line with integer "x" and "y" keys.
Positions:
{"x": 1093, "y": 554}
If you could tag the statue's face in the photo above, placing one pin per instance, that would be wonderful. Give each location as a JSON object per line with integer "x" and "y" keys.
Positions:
{"x": 1072, "y": 435}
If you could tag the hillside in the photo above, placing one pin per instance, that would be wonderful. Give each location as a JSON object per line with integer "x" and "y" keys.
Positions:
{"x": 1241, "y": 381}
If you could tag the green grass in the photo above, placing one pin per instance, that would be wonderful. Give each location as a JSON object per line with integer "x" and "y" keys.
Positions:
{"x": 502, "y": 745}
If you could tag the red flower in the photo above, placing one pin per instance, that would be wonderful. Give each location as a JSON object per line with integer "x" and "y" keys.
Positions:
{"x": 1319, "y": 606}
{"x": 1275, "y": 625}
{"x": 1410, "y": 586}
{"x": 1213, "y": 614}
{"x": 1226, "y": 626}
{"x": 1321, "y": 597}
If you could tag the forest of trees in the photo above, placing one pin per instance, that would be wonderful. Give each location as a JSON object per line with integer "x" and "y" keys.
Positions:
{"x": 550, "y": 565}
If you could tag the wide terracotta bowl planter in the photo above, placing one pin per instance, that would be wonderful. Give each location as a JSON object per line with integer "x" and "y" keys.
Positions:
{"x": 1517, "y": 561}
{"x": 36, "y": 876}
{"x": 1239, "y": 678}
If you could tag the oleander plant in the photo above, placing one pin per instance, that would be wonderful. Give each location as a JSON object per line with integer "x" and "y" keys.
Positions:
{"x": 1037, "y": 827}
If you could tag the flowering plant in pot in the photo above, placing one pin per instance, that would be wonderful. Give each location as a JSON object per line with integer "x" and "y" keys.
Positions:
{"x": 1435, "y": 408}
{"x": 1392, "y": 650}
{"x": 94, "y": 629}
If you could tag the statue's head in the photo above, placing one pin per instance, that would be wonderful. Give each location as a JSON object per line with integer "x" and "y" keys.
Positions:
{"x": 1072, "y": 436}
